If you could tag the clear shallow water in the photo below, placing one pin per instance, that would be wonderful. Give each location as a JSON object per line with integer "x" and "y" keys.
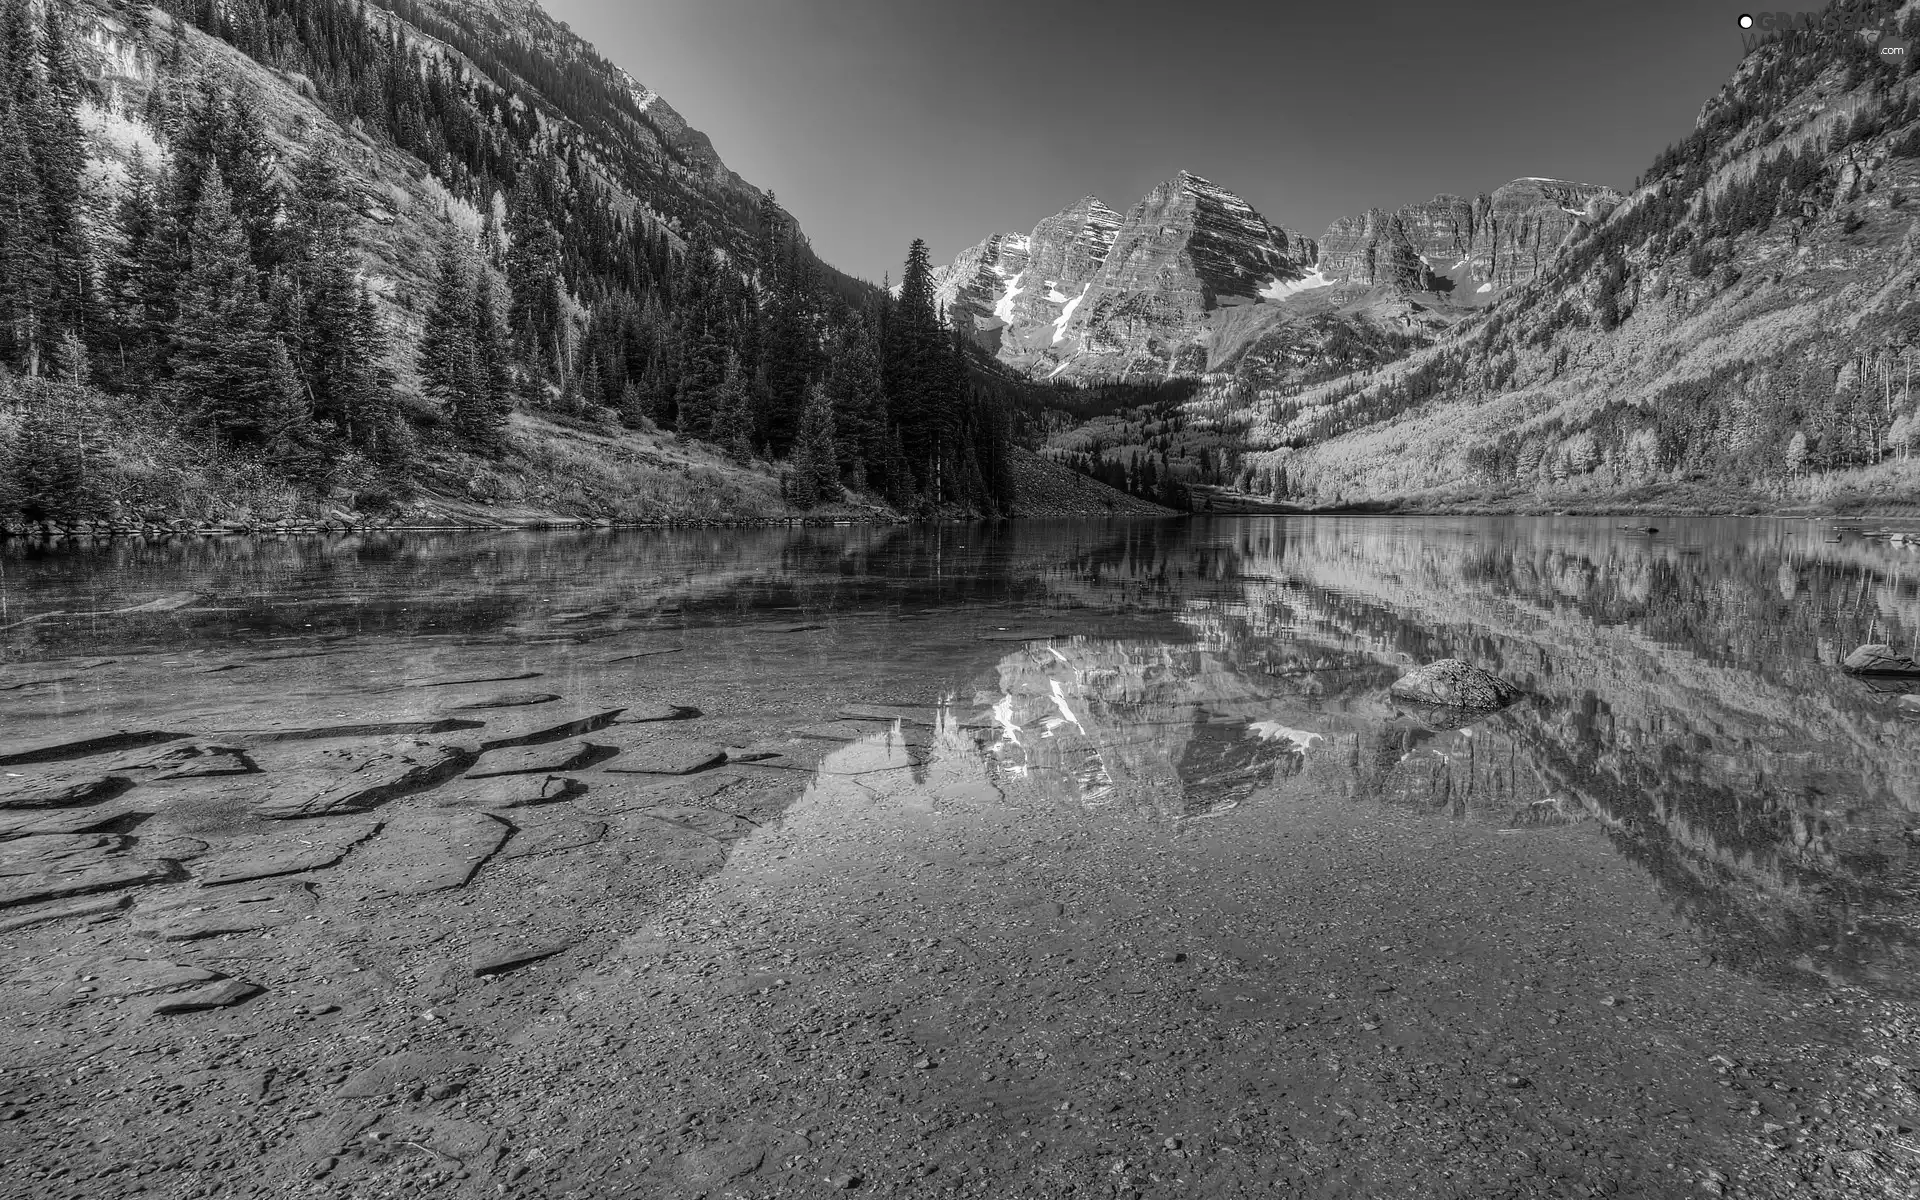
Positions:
{"x": 1684, "y": 702}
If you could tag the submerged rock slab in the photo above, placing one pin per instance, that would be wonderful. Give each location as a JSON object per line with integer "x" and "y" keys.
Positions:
{"x": 666, "y": 756}
{"x": 542, "y": 724}
{"x": 641, "y": 714}
{"x": 355, "y": 778}
{"x": 493, "y": 957}
{"x": 458, "y": 680}
{"x": 1879, "y": 660}
{"x": 217, "y": 912}
{"x": 551, "y": 833}
{"x": 911, "y": 714}
{"x": 508, "y": 700}
{"x": 25, "y": 751}
{"x": 224, "y": 994}
{"x": 310, "y": 846}
{"x": 61, "y": 912}
{"x": 426, "y": 850}
{"x": 617, "y": 794}
{"x": 57, "y": 852}
{"x": 543, "y": 758}
{"x": 856, "y": 730}
{"x": 362, "y": 729}
{"x": 59, "y": 791}
{"x": 187, "y": 760}
{"x": 40, "y": 822}
{"x": 1453, "y": 682}
{"x": 508, "y": 791}
{"x": 101, "y": 875}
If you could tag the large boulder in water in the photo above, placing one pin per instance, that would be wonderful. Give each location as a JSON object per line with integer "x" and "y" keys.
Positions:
{"x": 1879, "y": 660}
{"x": 1455, "y": 684}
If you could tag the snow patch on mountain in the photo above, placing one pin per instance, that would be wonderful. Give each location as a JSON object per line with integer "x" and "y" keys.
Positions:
{"x": 1066, "y": 314}
{"x": 1280, "y": 289}
{"x": 1004, "y": 308}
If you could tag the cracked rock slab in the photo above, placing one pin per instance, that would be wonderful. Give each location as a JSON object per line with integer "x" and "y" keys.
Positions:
{"x": 641, "y": 714}
{"x": 507, "y": 700}
{"x": 41, "y": 822}
{"x": 426, "y": 850}
{"x": 537, "y": 759}
{"x": 541, "y": 724}
{"x": 107, "y": 875}
{"x": 206, "y": 913}
{"x": 358, "y": 777}
{"x": 507, "y": 791}
{"x": 24, "y": 751}
{"x": 666, "y": 756}
{"x": 35, "y": 790}
{"x": 309, "y": 846}
{"x": 551, "y": 835}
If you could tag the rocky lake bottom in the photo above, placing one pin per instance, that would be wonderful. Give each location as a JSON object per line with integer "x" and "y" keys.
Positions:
{"x": 1064, "y": 859}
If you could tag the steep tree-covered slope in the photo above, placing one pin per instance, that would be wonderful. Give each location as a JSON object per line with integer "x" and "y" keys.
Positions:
{"x": 264, "y": 255}
{"x": 1741, "y": 326}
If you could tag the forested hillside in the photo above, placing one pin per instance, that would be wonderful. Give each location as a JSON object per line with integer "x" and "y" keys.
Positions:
{"x": 273, "y": 257}
{"x": 1739, "y": 332}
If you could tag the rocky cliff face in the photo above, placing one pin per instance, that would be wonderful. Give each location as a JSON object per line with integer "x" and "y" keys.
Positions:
{"x": 1501, "y": 240}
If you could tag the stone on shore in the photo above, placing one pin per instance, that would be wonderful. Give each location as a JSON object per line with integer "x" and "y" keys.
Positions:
{"x": 1453, "y": 682}
{"x": 1879, "y": 660}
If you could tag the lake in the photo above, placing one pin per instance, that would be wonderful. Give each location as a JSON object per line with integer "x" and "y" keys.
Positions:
{"x": 1036, "y": 858}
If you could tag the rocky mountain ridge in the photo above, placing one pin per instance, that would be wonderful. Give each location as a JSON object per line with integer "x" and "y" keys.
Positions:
{"x": 1092, "y": 295}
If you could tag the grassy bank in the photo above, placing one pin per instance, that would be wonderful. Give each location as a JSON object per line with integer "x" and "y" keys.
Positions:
{"x": 74, "y": 461}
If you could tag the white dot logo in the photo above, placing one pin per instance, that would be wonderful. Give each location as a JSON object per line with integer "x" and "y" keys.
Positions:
{"x": 1746, "y": 21}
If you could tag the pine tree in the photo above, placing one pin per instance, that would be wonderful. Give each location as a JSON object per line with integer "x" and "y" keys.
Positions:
{"x": 448, "y": 360}
{"x": 814, "y": 477}
{"x": 533, "y": 276}
{"x": 859, "y": 404}
{"x": 27, "y": 286}
{"x": 287, "y": 431}
{"x": 917, "y": 376}
{"x": 483, "y": 422}
{"x": 59, "y": 153}
{"x": 221, "y": 348}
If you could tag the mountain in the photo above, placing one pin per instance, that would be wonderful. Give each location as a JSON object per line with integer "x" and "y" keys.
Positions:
{"x": 1739, "y": 331}
{"x": 1194, "y": 281}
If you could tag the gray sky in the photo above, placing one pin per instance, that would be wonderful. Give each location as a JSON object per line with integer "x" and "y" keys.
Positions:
{"x": 877, "y": 121}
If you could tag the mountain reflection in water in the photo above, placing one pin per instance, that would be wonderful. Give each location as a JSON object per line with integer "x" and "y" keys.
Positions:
{"x": 1682, "y": 691}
